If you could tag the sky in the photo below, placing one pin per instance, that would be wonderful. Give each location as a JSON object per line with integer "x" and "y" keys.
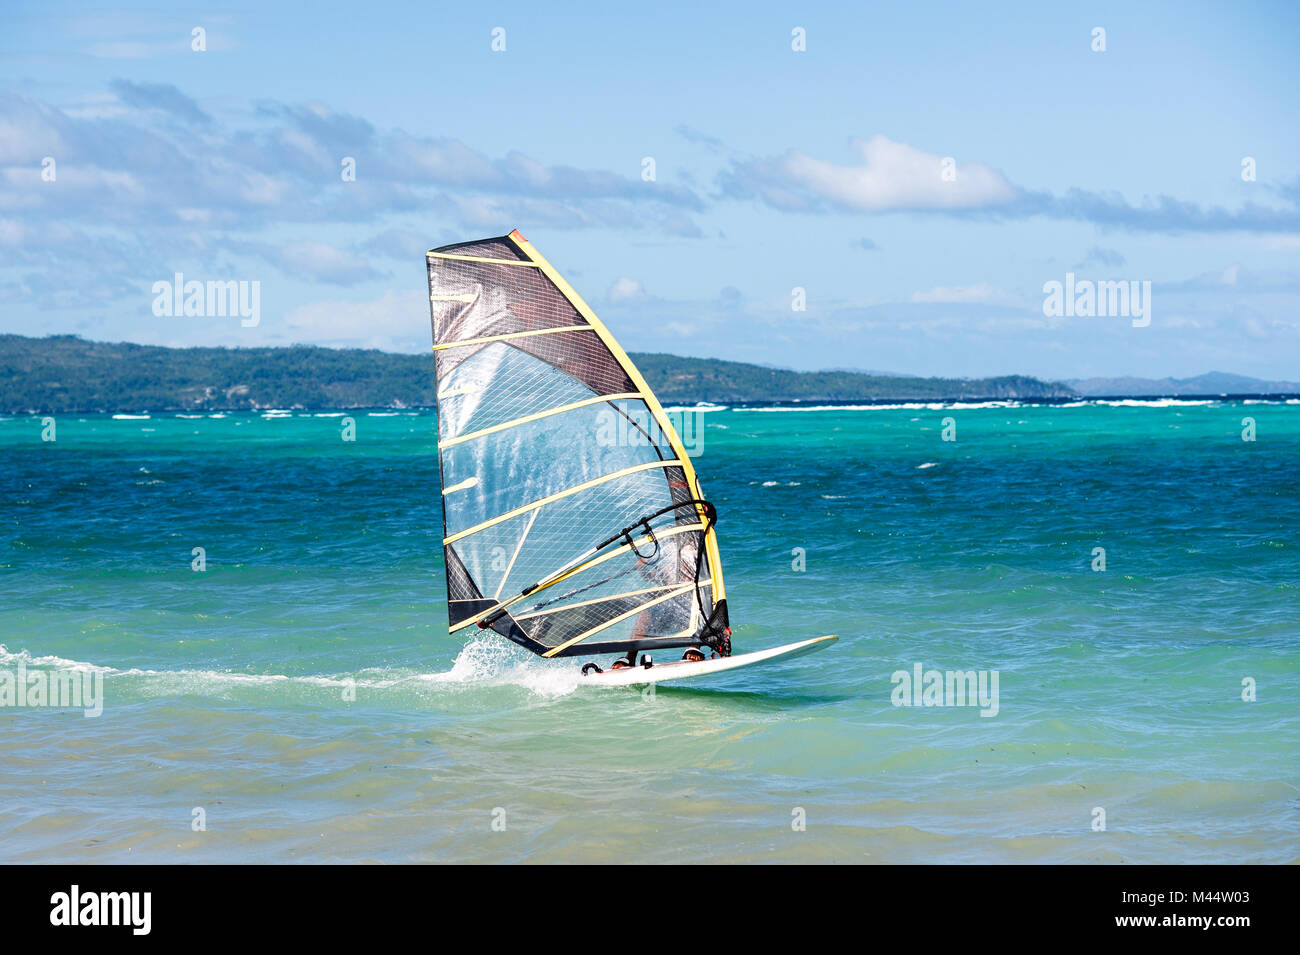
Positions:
{"x": 862, "y": 186}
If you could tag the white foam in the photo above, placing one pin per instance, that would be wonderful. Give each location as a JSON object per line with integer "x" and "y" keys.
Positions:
{"x": 835, "y": 407}
{"x": 701, "y": 407}
{"x": 494, "y": 662}
{"x": 898, "y": 406}
{"x": 9, "y": 658}
{"x": 484, "y": 661}
{"x": 1137, "y": 402}
{"x": 1157, "y": 402}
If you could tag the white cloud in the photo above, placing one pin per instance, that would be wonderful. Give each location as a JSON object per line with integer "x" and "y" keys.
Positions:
{"x": 625, "y": 289}
{"x": 11, "y": 232}
{"x": 321, "y": 262}
{"x": 134, "y": 49}
{"x": 1280, "y": 243}
{"x": 982, "y": 292}
{"x": 392, "y": 322}
{"x": 1235, "y": 281}
{"x": 893, "y": 176}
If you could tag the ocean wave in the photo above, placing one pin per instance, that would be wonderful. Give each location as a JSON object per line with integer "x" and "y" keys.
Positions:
{"x": 1154, "y": 402}
{"x": 484, "y": 661}
{"x": 897, "y": 406}
{"x": 1159, "y": 402}
{"x": 701, "y": 407}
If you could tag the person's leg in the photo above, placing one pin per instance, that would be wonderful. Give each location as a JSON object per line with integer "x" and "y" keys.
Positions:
{"x": 639, "y": 627}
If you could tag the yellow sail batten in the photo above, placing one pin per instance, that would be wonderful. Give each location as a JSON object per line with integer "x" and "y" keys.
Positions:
{"x": 594, "y": 601}
{"x": 464, "y": 485}
{"x": 508, "y": 336}
{"x": 558, "y": 495}
{"x": 538, "y": 416}
{"x": 586, "y": 565}
{"x": 641, "y": 608}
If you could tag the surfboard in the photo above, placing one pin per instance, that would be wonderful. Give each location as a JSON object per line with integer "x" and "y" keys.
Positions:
{"x": 685, "y": 670}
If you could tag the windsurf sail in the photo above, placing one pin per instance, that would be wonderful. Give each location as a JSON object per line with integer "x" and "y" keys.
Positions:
{"x": 573, "y": 521}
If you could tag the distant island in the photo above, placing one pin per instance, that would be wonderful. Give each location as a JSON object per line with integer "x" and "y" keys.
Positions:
{"x": 66, "y": 373}
{"x": 1211, "y": 383}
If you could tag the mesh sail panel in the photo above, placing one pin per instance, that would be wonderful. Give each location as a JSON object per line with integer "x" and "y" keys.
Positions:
{"x": 508, "y": 298}
{"x": 549, "y": 447}
{"x": 501, "y": 248}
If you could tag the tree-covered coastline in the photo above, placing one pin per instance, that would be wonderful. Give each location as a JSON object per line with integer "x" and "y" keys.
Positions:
{"x": 65, "y": 373}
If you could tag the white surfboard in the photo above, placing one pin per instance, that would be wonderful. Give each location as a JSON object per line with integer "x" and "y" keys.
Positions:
{"x": 683, "y": 669}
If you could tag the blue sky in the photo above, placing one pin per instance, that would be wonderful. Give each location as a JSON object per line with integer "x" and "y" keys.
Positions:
{"x": 774, "y": 169}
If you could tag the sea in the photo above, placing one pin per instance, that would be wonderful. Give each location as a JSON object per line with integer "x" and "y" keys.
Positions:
{"x": 261, "y": 605}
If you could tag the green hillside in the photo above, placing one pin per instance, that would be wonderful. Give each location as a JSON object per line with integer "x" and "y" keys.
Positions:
{"x": 65, "y": 373}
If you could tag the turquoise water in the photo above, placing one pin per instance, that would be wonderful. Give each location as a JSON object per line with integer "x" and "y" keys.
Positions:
{"x": 228, "y": 689}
